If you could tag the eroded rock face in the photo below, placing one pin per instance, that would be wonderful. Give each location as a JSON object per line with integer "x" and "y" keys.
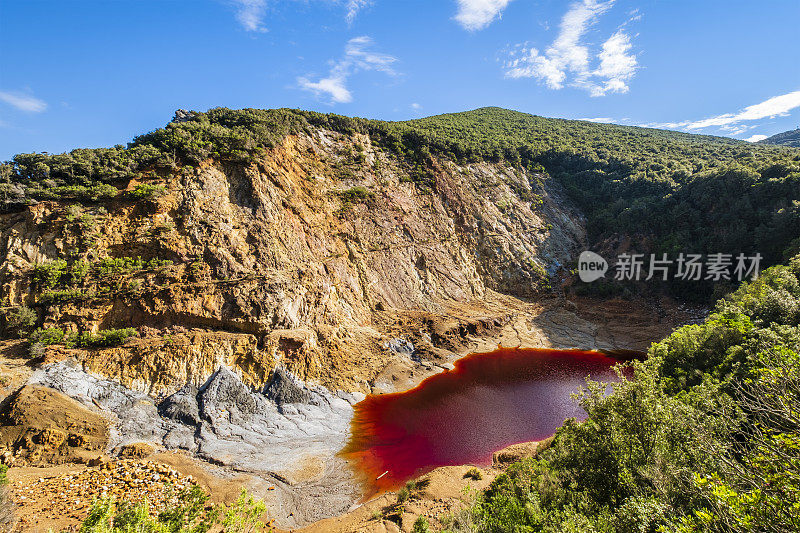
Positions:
{"x": 291, "y": 442}
{"x": 275, "y": 265}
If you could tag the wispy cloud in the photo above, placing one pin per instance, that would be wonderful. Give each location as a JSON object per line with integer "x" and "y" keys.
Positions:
{"x": 732, "y": 123}
{"x": 598, "y": 119}
{"x": 770, "y": 108}
{"x": 477, "y": 14}
{"x": 353, "y": 7}
{"x": 251, "y": 14}
{"x": 23, "y": 102}
{"x": 357, "y": 57}
{"x": 568, "y": 60}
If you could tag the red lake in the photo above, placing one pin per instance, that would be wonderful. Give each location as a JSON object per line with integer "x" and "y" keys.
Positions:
{"x": 489, "y": 401}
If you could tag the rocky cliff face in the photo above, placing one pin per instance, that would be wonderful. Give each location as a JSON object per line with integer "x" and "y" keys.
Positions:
{"x": 314, "y": 258}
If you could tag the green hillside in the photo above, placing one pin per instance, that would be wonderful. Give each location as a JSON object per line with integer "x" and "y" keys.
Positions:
{"x": 679, "y": 192}
{"x": 787, "y": 138}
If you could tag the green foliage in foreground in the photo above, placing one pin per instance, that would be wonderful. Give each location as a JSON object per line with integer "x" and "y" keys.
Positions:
{"x": 188, "y": 514}
{"x": 706, "y": 437}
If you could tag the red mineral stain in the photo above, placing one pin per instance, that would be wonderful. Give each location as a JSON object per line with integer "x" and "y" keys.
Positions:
{"x": 489, "y": 401}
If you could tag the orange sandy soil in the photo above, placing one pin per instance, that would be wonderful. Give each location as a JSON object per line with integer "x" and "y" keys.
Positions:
{"x": 59, "y": 497}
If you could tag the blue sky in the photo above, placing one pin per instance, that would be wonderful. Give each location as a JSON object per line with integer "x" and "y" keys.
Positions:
{"x": 87, "y": 73}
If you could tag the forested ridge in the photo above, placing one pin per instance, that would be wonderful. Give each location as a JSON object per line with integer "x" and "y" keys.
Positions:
{"x": 680, "y": 192}
{"x": 787, "y": 138}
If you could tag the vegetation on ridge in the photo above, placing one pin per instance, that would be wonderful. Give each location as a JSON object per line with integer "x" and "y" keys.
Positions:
{"x": 787, "y": 138}
{"x": 685, "y": 192}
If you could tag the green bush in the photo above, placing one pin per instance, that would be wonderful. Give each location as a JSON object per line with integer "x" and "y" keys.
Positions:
{"x": 47, "y": 275}
{"x": 63, "y": 296}
{"x": 190, "y": 513}
{"x": 21, "y": 320}
{"x": 48, "y": 336}
{"x": 421, "y": 525}
{"x": 124, "y": 265}
{"x": 356, "y": 194}
{"x": 473, "y": 474}
{"x": 146, "y": 191}
{"x": 104, "y": 338}
{"x": 101, "y": 339}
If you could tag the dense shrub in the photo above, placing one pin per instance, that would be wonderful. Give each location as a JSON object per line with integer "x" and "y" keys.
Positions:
{"x": 65, "y": 295}
{"x": 21, "y": 320}
{"x": 356, "y": 194}
{"x": 101, "y": 339}
{"x": 49, "y": 274}
{"x": 146, "y": 191}
{"x": 47, "y": 336}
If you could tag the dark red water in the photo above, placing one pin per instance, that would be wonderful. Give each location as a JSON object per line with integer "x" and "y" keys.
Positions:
{"x": 489, "y": 401}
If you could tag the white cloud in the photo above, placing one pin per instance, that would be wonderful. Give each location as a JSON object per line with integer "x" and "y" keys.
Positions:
{"x": 477, "y": 14}
{"x": 357, "y": 57}
{"x": 756, "y": 138}
{"x": 731, "y": 123}
{"x": 416, "y": 107}
{"x": 23, "y": 102}
{"x": 333, "y": 86}
{"x": 772, "y": 107}
{"x": 353, "y": 7}
{"x": 598, "y": 119}
{"x": 568, "y": 58}
{"x": 617, "y": 66}
{"x": 251, "y": 13}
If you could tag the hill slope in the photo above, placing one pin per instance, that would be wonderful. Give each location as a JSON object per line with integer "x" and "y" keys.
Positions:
{"x": 787, "y": 138}
{"x": 677, "y": 191}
